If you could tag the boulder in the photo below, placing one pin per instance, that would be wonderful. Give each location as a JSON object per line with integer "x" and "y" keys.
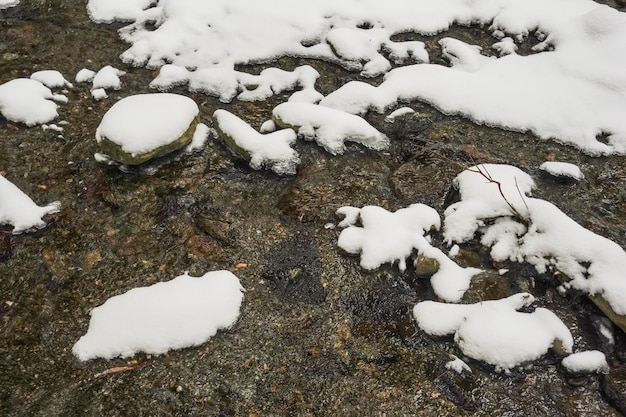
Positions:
{"x": 145, "y": 126}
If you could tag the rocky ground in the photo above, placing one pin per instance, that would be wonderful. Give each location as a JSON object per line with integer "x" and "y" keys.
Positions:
{"x": 317, "y": 335}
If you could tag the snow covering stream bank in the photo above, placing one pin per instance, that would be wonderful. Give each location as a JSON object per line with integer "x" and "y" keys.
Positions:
{"x": 579, "y": 53}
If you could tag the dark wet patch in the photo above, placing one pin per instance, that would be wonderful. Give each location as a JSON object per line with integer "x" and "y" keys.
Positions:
{"x": 294, "y": 271}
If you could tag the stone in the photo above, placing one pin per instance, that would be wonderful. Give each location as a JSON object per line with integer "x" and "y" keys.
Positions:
{"x": 146, "y": 126}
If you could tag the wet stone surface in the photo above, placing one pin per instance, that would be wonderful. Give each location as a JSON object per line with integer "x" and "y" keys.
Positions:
{"x": 317, "y": 334}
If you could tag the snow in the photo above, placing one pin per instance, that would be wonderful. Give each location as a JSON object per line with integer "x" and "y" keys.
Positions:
{"x": 106, "y": 11}
{"x": 85, "y": 76}
{"x": 457, "y": 365}
{"x": 28, "y": 101}
{"x": 496, "y": 203}
{"x": 20, "y": 211}
{"x": 591, "y": 361}
{"x": 380, "y": 237}
{"x": 494, "y": 331}
{"x": 108, "y": 77}
{"x": 199, "y": 139}
{"x": 183, "y": 312}
{"x": 570, "y": 90}
{"x": 562, "y": 169}
{"x": 99, "y": 94}
{"x": 51, "y": 79}
{"x": 272, "y": 150}
{"x": 402, "y": 111}
{"x": 5, "y": 4}
{"x": 328, "y": 127}
{"x": 145, "y": 122}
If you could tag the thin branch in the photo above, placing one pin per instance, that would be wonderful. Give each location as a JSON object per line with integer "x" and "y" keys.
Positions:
{"x": 485, "y": 173}
{"x": 120, "y": 369}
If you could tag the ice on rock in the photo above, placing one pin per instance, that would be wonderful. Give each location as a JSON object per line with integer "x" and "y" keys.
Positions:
{"x": 176, "y": 314}
{"x": 495, "y": 332}
{"x": 272, "y": 150}
{"x": 20, "y": 211}
{"x": 144, "y": 126}
{"x": 27, "y": 101}
{"x": 328, "y": 127}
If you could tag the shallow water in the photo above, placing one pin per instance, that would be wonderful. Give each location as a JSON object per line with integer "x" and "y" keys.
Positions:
{"x": 317, "y": 334}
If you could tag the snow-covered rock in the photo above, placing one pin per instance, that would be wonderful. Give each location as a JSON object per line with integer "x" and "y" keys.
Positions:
{"x": 495, "y": 204}
{"x": 272, "y": 150}
{"x": 562, "y": 169}
{"x": 141, "y": 127}
{"x": 328, "y": 127}
{"x": 591, "y": 361}
{"x": 51, "y": 79}
{"x": 183, "y": 312}
{"x": 495, "y": 332}
{"x": 20, "y": 211}
{"x": 380, "y": 236}
{"x": 27, "y": 101}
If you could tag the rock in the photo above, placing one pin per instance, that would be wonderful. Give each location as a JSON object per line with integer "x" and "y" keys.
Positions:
{"x": 145, "y": 126}
{"x": 613, "y": 387}
{"x": 425, "y": 179}
{"x": 603, "y": 305}
{"x": 488, "y": 285}
{"x": 426, "y": 267}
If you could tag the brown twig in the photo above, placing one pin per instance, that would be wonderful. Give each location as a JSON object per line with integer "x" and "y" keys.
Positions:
{"x": 485, "y": 173}
{"x": 119, "y": 369}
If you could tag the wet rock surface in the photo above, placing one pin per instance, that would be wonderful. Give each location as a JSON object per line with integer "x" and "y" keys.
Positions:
{"x": 317, "y": 334}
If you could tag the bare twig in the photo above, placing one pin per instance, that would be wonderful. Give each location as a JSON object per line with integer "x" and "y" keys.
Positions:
{"x": 482, "y": 170}
{"x": 119, "y": 369}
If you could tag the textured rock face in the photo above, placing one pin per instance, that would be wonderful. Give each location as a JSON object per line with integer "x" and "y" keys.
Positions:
{"x": 145, "y": 126}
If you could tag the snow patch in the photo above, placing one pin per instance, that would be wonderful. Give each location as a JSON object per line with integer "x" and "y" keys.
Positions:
{"x": 20, "y": 211}
{"x": 183, "y": 312}
{"x": 494, "y": 331}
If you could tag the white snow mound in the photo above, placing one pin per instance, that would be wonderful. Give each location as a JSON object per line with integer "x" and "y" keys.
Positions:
{"x": 183, "y": 312}
{"x": 20, "y": 211}
{"x": 494, "y": 331}
{"x": 145, "y": 122}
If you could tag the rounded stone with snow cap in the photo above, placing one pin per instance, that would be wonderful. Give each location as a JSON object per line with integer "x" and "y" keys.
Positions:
{"x": 145, "y": 126}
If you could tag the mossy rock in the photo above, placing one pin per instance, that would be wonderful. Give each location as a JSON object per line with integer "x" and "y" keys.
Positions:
{"x": 116, "y": 152}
